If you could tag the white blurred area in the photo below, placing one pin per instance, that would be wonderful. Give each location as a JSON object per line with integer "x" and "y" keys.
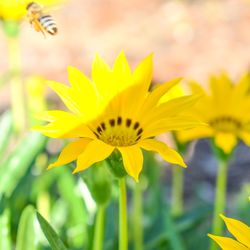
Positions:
{"x": 187, "y": 38}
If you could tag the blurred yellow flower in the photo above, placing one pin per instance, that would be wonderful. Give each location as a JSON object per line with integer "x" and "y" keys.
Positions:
{"x": 239, "y": 230}
{"x": 115, "y": 111}
{"x": 225, "y": 109}
{"x": 15, "y": 10}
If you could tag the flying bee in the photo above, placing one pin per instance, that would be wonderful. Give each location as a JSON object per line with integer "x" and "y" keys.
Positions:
{"x": 40, "y": 21}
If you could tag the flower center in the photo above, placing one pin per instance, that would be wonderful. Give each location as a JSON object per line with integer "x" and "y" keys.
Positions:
{"x": 226, "y": 124}
{"x": 119, "y": 131}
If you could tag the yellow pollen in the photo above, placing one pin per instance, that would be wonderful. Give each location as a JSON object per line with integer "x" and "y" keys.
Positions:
{"x": 119, "y": 131}
{"x": 226, "y": 124}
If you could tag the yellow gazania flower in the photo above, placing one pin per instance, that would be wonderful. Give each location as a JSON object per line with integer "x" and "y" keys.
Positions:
{"x": 239, "y": 230}
{"x": 115, "y": 110}
{"x": 225, "y": 109}
{"x": 16, "y": 9}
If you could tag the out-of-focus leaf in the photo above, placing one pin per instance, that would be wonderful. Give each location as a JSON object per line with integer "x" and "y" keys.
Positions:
{"x": 52, "y": 237}
{"x": 26, "y": 236}
{"x": 5, "y": 240}
{"x": 77, "y": 211}
{"x": 194, "y": 217}
{"x": 5, "y": 131}
{"x": 174, "y": 236}
{"x": 16, "y": 165}
{"x": 99, "y": 182}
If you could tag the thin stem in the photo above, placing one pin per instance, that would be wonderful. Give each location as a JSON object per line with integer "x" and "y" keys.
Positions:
{"x": 123, "y": 227}
{"x": 17, "y": 88}
{"x": 99, "y": 228}
{"x": 220, "y": 200}
{"x": 137, "y": 217}
{"x": 177, "y": 191}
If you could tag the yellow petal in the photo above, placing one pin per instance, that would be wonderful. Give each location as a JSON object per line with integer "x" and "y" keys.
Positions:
{"x": 95, "y": 151}
{"x": 194, "y": 134}
{"x": 238, "y": 229}
{"x": 121, "y": 71}
{"x": 63, "y": 125}
{"x": 227, "y": 243}
{"x": 132, "y": 160}
{"x": 245, "y": 136}
{"x": 64, "y": 93}
{"x": 171, "y": 108}
{"x": 168, "y": 154}
{"x": 177, "y": 123}
{"x": 71, "y": 152}
{"x": 154, "y": 97}
{"x": 101, "y": 75}
{"x": 197, "y": 88}
{"x": 226, "y": 141}
{"x": 241, "y": 89}
{"x": 142, "y": 74}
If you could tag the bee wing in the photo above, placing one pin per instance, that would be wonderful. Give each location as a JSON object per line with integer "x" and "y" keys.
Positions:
{"x": 51, "y": 8}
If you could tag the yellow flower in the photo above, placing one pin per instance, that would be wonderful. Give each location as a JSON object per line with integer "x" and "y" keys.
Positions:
{"x": 115, "y": 111}
{"x": 16, "y": 9}
{"x": 239, "y": 230}
{"x": 225, "y": 109}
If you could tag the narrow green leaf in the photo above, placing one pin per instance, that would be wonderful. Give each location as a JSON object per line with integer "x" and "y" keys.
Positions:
{"x": 16, "y": 165}
{"x": 5, "y": 130}
{"x": 174, "y": 236}
{"x": 5, "y": 240}
{"x": 52, "y": 237}
{"x": 26, "y": 236}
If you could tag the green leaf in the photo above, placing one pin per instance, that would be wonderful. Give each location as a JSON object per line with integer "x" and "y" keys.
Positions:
{"x": 52, "y": 237}
{"x": 6, "y": 130}
{"x": 26, "y": 236}
{"x": 5, "y": 240}
{"x": 174, "y": 236}
{"x": 16, "y": 165}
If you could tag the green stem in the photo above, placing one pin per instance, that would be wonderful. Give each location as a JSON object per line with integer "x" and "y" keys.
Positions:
{"x": 177, "y": 191}
{"x": 220, "y": 200}
{"x": 99, "y": 228}
{"x": 137, "y": 217}
{"x": 123, "y": 227}
{"x": 17, "y": 88}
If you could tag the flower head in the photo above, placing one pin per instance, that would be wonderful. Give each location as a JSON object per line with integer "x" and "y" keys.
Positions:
{"x": 16, "y": 9}
{"x": 116, "y": 111}
{"x": 225, "y": 109}
{"x": 239, "y": 230}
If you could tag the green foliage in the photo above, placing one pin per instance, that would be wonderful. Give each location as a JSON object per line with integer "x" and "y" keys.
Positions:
{"x": 64, "y": 198}
{"x": 51, "y": 235}
{"x": 16, "y": 165}
{"x": 5, "y": 240}
{"x": 26, "y": 235}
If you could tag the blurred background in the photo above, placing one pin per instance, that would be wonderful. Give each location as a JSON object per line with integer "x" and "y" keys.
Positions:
{"x": 189, "y": 38}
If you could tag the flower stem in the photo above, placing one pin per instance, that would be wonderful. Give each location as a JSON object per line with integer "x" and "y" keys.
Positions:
{"x": 137, "y": 217}
{"x": 17, "y": 88}
{"x": 177, "y": 191}
{"x": 99, "y": 228}
{"x": 220, "y": 200}
{"x": 123, "y": 233}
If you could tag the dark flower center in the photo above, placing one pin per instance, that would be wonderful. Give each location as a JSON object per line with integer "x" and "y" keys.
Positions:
{"x": 119, "y": 131}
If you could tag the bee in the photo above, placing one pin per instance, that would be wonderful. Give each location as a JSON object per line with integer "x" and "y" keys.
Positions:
{"x": 40, "y": 21}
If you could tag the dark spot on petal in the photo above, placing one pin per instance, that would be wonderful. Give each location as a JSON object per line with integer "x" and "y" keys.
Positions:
{"x": 136, "y": 126}
{"x": 128, "y": 122}
{"x": 119, "y": 120}
{"x": 96, "y": 135}
{"x": 112, "y": 122}
{"x": 99, "y": 130}
{"x": 103, "y": 126}
{"x": 138, "y": 138}
{"x": 139, "y": 131}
